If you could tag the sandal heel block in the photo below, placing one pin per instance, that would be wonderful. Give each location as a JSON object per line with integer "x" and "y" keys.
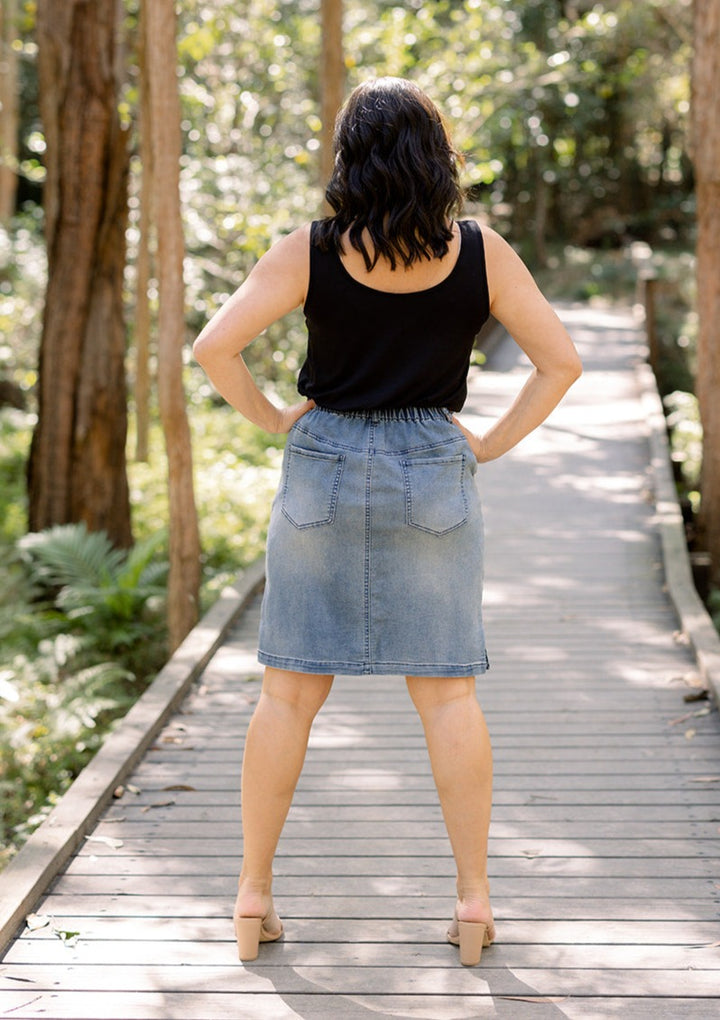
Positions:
{"x": 248, "y": 931}
{"x": 251, "y": 931}
{"x": 473, "y": 937}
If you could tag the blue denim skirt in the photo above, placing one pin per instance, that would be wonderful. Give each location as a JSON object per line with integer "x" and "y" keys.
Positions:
{"x": 375, "y": 548}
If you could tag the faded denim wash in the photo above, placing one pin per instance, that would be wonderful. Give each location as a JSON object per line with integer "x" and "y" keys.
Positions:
{"x": 375, "y": 548}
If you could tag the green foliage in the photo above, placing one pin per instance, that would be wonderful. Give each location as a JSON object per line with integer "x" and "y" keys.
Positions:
{"x": 686, "y": 435}
{"x": 578, "y": 108}
{"x": 53, "y": 717}
{"x": 112, "y": 598}
{"x": 236, "y": 469}
{"x": 15, "y": 435}
{"x": 675, "y": 321}
{"x": 23, "y": 274}
{"x": 81, "y": 627}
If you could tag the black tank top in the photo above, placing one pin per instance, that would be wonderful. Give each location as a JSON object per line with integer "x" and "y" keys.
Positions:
{"x": 370, "y": 349}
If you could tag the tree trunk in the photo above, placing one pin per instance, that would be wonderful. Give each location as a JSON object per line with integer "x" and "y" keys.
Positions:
{"x": 164, "y": 106}
{"x": 8, "y": 109}
{"x": 706, "y": 144}
{"x": 77, "y": 461}
{"x": 332, "y": 78}
{"x": 143, "y": 324}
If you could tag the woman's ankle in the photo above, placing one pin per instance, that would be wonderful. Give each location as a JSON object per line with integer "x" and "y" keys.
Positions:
{"x": 254, "y": 896}
{"x": 473, "y": 902}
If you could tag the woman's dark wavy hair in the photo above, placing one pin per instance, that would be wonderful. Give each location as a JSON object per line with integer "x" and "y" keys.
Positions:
{"x": 395, "y": 175}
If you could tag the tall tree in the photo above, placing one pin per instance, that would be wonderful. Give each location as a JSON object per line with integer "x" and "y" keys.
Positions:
{"x": 143, "y": 323}
{"x": 706, "y": 145}
{"x": 8, "y": 109}
{"x": 332, "y": 79}
{"x": 77, "y": 466}
{"x": 160, "y": 77}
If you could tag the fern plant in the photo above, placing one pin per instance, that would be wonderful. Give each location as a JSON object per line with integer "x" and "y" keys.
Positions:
{"x": 87, "y": 628}
{"x": 53, "y": 717}
{"x": 113, "y": 596}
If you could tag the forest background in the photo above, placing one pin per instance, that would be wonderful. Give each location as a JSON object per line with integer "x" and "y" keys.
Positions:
{"x": 574, "y": 121}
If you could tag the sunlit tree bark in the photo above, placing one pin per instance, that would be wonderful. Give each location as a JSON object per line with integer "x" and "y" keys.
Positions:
{"x": 159, "y": 24}
{"x": 143, "y": 325}
{"x": 77, "y": 462}
{"x": 706, "y": 145}
{"x": 8, "y": 109}
{"x": 332, "y": 79}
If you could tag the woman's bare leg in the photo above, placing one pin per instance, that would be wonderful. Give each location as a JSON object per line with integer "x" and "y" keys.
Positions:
{"x": 461, "y": 758}
{"x": 275, "y": 749}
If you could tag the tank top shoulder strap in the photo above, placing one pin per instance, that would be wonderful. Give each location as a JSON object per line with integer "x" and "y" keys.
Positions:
{"x": 326, "y": 273}
{"x": 472, "y": 241}
{"x": 472, "y": 264}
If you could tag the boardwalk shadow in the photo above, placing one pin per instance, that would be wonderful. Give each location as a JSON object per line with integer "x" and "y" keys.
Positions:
{"x": 321, "y": 996}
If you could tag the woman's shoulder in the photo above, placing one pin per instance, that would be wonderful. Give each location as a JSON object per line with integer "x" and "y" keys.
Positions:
{"x": 297, "y": 239}
{"x": 477, "y": 227}
{"x": 288, "y": 258}
{"x": 494, "y": 244}
{"x": 290, "y": 249}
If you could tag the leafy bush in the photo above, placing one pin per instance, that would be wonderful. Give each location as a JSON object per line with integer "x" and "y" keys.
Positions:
{"x": 686, "y": 437}
{"x": 15, "y": 435}
{"x": 53, "y": 717}
{"x": 81, "y": 621}
{"x": 111, "y": 597}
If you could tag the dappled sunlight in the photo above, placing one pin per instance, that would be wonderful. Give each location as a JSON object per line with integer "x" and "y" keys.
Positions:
{"x": 329, "y": 733}
{"x": 233, "y": 662}
{"x": 366, "y": 779}
{"x": 650, "y": 676}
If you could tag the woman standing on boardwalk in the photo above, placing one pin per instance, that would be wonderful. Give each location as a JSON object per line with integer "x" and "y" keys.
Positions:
{"x": 375, "y": 546}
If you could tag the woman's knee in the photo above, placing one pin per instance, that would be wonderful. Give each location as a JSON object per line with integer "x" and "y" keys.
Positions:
{"x": 304, "y": 692}
{"x": 430, "y": 693}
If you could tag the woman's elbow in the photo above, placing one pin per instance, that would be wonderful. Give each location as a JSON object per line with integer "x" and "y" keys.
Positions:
{"x": 568, "y": 366}
{"x": 573, "y": 368}
{"x": 564, "y": 371}
{"x": 202, "y": 351}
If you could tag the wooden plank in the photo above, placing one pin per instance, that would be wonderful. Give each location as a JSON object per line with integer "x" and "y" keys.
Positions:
{"x": 603, "y": 868}
{"x": 688, "y": 933}
{"x": 430, "y": 981}
{"x": 360, "y": 885}
{"x": 589, "y": 1008}
{"x": 228, "y": 976}
{"x": 690, "y": 796}
{"x": 155, "y": 964}
{"x": 378, "y": 780}
{"x": 132, "y": 1005}
{"x": 325, "y": 827}
{"x": 603, "y": 745}
{"x": 97, "y": 964}
{"x": 548, "y": 810}
{"x": 536, "y": 907}
{"x": 272, "y": 1006}
{"x": 160, "y": 846}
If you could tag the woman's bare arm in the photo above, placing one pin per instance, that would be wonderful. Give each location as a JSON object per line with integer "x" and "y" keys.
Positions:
{"x": 277, "y": 284}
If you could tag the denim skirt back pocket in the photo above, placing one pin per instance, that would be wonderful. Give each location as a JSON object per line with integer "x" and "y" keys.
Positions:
{"x": 435, "y": 496}
{"x": 312, "y": 483}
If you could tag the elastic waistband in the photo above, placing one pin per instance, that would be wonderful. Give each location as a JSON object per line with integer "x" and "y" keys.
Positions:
{"x": 395, "y": 414}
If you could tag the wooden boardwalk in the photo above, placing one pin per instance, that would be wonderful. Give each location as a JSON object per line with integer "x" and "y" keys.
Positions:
{"x": 604, "y": 844}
